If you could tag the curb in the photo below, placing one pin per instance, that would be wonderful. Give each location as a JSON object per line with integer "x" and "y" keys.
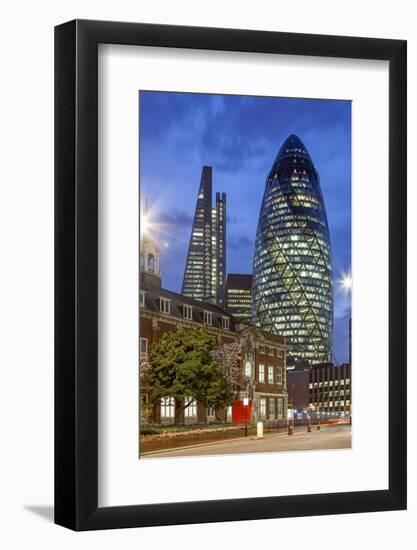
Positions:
{"x": 253, "y": 438}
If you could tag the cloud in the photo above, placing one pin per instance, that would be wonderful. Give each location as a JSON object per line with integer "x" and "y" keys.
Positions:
{"x": 177, "y": 218}
{"x": 233, "y": 219}
{"x": 239, "y": 242}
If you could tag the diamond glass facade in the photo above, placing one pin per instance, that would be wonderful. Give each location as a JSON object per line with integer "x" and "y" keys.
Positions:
{"x": 292, "y": 268}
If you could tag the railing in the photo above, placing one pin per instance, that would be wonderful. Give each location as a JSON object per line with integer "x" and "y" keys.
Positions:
{"x": 281, "y": 425}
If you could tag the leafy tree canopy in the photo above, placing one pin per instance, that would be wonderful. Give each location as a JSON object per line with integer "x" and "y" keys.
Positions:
{"x": 182, "y": 366}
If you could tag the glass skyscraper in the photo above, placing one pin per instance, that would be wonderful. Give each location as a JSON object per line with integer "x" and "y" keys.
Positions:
{"x": 205, "y": 269}
{"x": 238, "y": 296}
{"x": 292, "y": 266}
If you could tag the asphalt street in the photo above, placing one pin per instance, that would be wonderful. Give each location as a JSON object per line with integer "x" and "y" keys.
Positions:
{"x": 337, "y": 437}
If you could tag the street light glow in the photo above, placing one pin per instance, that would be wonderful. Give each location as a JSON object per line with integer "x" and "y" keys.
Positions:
{"x": 144, "y": 224}
{"x": 347, "y": 282}
{"x": 147, "y": 225}
{"x": 151, "y": 225}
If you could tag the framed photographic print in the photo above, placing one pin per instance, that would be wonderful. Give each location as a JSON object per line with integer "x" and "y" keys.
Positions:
{"x": 230, "y": 275}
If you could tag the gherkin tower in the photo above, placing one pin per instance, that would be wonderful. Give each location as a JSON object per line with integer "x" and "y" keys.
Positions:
{"x": 292, "y": 266}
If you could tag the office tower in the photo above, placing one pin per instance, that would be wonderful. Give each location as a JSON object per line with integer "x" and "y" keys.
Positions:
{"x": 219, "y": 248}
{"x": 292, "y": 270}
{"x": 238, "y": 296}
{"x": 205, "y": 269}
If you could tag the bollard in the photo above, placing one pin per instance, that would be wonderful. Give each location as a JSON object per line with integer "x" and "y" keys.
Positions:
{"x": 290, "y": 428}
{"x": 318, "y": 423}
{"x": 308, "y": 425}
{"x": 259, "y": 430}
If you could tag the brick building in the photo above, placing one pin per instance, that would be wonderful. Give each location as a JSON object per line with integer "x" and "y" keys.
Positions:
{"x": 263, "y": 354}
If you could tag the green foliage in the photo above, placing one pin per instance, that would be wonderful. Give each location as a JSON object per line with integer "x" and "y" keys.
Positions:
{"x": 182, "y": 366}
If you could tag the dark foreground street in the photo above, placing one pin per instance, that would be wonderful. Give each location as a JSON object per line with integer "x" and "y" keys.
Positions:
{"x": 337, "y": 437}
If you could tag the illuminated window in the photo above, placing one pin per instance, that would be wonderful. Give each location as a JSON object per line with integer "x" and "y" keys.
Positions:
{"x": 225, "y": 323}
{"x": 144, "y": 346}
{"x": 271, "y": 407}
{"x": 262, "y": 407}
{"x": 151, "y": 263}
{"x": 261, "y": 377}
{"x": 208, "y": 318}
{"x": 270, "y": 375}
{"x": 167, "y": 407}
{"x": 279, "y": 375}
{"x": 191, "y": 410}
{"x": 165, "y": 305}
{"x": 187, "y": 312}
{"x": 280, "y": 408}
{"x": 248, "y": 368}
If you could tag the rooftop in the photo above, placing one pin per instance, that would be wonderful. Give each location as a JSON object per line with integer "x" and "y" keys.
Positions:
{"x": 240, "y": 281}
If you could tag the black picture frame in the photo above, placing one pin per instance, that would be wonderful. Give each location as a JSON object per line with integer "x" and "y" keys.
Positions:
{"x": 76, "y": 272}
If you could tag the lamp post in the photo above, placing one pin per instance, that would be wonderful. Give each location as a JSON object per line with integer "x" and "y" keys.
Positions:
{"x": 308, "y": 423}
{"x": 291, "y": 422}
{"x": 246, "y": 403}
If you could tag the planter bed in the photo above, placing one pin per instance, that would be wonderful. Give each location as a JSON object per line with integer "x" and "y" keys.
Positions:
{"x": 152, "y": 443}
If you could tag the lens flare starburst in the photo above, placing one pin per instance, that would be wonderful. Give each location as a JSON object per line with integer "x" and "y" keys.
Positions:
{"x": 345, "y": 282}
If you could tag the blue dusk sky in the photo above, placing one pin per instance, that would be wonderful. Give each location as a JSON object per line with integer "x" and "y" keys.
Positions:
{"x": 239, "y": 136}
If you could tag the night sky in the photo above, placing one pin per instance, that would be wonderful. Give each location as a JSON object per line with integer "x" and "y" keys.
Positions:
{"x": 239, "y": 136}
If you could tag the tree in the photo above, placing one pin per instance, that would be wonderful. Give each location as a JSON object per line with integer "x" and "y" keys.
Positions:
{"x": 181, "y": 366}
{"x": 145, "y": 406}
{"x": 144, "y": 366}
{"x": 229, "y": 359}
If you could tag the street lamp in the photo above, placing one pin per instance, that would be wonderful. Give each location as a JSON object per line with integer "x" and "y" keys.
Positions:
{"x": 246, "y": 403}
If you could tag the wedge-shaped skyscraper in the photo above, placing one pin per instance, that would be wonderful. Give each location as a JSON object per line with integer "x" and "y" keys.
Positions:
{"x": 204, "y": 275}
{"x": 292, "y": 266}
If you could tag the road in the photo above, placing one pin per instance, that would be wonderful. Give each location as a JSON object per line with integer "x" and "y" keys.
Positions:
{"x": 337, "y": 437}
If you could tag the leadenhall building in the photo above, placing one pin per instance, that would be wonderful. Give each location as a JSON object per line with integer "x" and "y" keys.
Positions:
{"x": 263, "y": 354}
{"x": 205, "y": 269}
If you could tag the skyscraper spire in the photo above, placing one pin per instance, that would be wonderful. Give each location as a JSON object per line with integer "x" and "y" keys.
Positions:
{"x": 205, "y": 269}
{"x": 292, "y": 270}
